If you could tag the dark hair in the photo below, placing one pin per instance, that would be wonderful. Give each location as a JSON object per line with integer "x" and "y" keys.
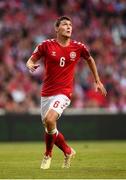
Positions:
{"x": 58, "y": 21}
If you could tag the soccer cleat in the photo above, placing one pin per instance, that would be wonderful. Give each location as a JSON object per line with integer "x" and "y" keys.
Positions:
{"x": 67, "y": 159}
{"x": 46, "y": 162}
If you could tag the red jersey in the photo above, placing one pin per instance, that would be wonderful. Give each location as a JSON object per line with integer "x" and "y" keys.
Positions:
{"x": 59, "y": 64}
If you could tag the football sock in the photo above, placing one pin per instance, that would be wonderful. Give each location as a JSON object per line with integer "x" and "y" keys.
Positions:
{"x": 50, "y": 137}
{"x": 61, "y": 143}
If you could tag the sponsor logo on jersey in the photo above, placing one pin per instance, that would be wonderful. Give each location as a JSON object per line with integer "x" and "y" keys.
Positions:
{"x": 72, "y": 56}
{"x": 53, "y": 53}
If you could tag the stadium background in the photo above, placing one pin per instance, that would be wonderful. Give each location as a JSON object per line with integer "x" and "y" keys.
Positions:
{"x": 95, "y": 124}
{"x": 101, "y": 25}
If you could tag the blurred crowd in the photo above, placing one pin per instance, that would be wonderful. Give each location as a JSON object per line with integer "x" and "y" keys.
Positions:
{"x": 100, "y": 24}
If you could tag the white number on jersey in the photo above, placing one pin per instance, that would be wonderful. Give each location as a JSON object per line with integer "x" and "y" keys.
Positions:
{"x": 62, "y": 61}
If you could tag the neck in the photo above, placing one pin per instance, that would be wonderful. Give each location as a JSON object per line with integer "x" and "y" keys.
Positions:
{"x": 63, "y": 41}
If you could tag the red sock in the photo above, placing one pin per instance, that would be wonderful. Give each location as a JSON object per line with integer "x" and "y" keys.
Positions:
{"x": 60, "y": 143}
{"x": 49, "y": 140}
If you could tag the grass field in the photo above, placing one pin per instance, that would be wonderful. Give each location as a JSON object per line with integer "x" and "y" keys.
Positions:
{"x": 94, "y": 159}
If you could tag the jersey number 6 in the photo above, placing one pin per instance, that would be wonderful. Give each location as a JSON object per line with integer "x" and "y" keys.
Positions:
{"x": 56, "y": 104}
{"x": 62, "y": 61}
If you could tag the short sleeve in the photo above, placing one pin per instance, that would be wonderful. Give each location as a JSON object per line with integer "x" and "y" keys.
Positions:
{"x": 84, "y": 52}
{"x": 39, "y": 51}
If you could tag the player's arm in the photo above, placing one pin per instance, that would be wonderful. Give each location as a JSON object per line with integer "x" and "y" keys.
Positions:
{"x": 98, "y": 84}
{"x": 36, "y": 55}
{"x": 31, "y": 64}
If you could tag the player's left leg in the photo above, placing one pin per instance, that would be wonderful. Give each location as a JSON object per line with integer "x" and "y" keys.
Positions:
{"x": 68, "y": 158}
{"x": 69, "y": 152}
{"x": 59, "y": 105}
{"x": 61, "y": 143}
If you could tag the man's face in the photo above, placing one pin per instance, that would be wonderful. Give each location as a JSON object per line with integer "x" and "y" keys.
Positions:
{"x": 65, "y": 28}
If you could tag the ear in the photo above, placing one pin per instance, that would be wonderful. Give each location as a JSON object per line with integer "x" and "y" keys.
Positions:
{"x": 56, "y": 29}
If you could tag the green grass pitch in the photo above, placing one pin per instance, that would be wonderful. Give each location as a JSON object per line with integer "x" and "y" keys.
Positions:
{"x": 94, "y": 159}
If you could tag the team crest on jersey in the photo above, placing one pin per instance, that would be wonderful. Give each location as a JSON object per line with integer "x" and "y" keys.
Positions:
{"x": 72, "y": 56}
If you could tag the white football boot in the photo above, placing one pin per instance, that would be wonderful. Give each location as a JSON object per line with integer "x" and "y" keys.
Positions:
{"x": 46, "y": 162}
{"x": 67, "y": 159}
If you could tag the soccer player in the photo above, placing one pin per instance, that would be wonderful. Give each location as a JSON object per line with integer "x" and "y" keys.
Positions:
{"x": 60, "y": 56}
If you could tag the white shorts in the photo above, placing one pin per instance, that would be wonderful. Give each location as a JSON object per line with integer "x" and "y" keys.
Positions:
{"x": 58, "y": 103}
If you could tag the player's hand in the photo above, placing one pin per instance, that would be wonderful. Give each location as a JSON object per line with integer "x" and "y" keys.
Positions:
{"x": 32, "y": 67}
{"x": 100, "y": 87}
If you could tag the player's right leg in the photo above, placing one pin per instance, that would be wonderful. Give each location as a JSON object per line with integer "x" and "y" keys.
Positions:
{"x": 46, "y": 162}
{"x": 50, "y": 137}
{"x": 49, "y": 117}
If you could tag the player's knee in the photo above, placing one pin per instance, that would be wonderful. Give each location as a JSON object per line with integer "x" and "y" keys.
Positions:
{"x": 50, "y": 117}
{"x": 48, "y": 120}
